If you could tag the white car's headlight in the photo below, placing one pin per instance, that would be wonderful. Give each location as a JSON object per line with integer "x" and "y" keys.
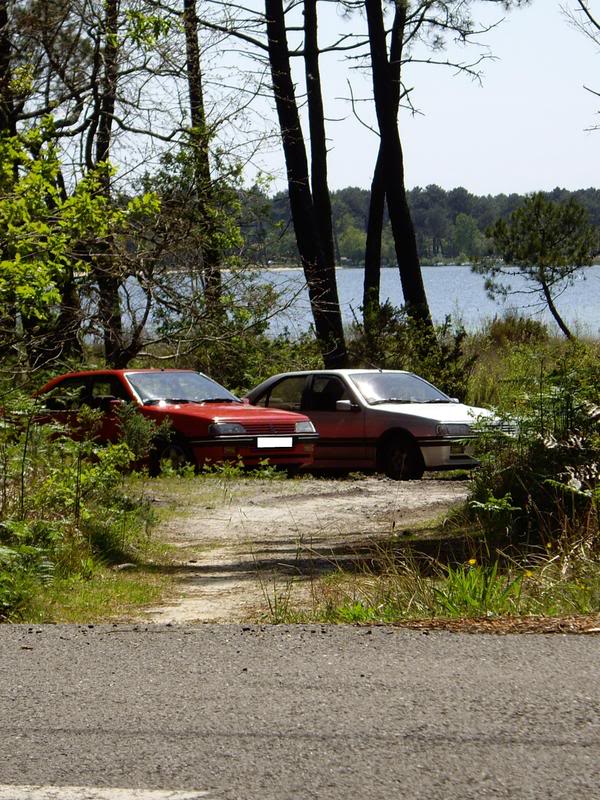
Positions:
{"x": 305, "y": 427}
{"x": 454, "y": 429}
{"x": 225, "y": 428}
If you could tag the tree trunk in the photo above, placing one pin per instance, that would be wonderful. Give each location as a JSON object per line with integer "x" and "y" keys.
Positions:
{"x": 403, "y": 230}
{"x": 103, "y": 266}
{"x": 318, "y": 136}
{"x": 7, "y": 112}
{"x": 8, "y": 315}
{"x": 553, "y": 309}
{"x": 372, "y": 278}
{"x": 320, "y": 277}
{"x": 199, "y": 140}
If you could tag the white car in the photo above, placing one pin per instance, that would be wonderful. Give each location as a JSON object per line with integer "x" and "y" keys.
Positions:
{"x": 368, "y": 419}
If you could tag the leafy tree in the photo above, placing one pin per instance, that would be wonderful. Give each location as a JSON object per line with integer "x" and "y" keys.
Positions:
{"x": 352, "y": 244}
{"x": 46, "y": 236}
{"x": 547, "y": 244}
{"x": 466, "y": 238}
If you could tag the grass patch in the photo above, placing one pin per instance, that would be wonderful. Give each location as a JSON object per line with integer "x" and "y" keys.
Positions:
{"x": 436, "y": 575}
{"x": 105, "y": 596}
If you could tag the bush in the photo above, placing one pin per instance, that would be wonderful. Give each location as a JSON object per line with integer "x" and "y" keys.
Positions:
{"x": 63, "y": 505}
{"x": 542, "y": 485}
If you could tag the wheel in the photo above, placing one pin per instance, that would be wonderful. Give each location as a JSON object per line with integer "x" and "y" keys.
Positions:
{"x": 173, "y": 452}
{"x": 402, "y": 460}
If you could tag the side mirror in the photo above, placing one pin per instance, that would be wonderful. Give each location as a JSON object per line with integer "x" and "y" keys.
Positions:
{"x": 345, "y": 405}
{"x": 454, "y": 400}
{"x": 245, "y": 401}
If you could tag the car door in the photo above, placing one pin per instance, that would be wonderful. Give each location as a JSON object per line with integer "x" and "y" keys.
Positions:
{"x": 341, "y": 432}
{"x": 62, "y": 402}
{"x": 106, "y": 391}
{"x": 286, "y": 394}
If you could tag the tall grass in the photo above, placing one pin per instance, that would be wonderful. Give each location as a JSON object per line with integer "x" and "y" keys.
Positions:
{"x": 65, "y": 508}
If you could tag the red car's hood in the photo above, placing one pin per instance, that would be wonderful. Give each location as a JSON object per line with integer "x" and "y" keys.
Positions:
{"x": 230, "y": 412}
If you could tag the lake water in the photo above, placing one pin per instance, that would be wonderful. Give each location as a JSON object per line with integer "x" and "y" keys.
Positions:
{"x": 454, "y": 290}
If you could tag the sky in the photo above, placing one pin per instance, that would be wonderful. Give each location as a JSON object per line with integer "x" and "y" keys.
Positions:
{"x": 522, "y": 130}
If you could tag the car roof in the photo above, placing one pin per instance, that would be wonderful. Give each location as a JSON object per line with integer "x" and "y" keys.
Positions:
{"x": 108, "y": 371}
{"x": 345, "y": 371}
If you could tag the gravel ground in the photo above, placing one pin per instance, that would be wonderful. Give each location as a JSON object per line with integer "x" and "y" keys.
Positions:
{"x": 241, "y": 544}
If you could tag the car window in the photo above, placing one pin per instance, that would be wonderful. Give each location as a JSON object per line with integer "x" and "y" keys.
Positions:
{"x": 397, "y": 387}
{"x": 107, "y": 387}
{"x": 287, "y": 394}
{"x": 326, "y": 391}
{"x": 186, "y": 387}
{"x": 68, "y": 395}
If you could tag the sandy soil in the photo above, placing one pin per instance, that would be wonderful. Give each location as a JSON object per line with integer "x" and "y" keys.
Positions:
{"x": 246, "y": 544}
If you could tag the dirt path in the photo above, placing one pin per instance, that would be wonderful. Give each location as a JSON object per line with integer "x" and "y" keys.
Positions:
{"x": 245, "y": 544}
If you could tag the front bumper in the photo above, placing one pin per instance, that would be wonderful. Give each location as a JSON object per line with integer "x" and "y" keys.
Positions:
{"x": 448, "y": 453}
{"x": 278, "y": 450}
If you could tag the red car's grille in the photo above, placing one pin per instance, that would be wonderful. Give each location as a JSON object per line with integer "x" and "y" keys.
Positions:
{"x": 269, "y": 428}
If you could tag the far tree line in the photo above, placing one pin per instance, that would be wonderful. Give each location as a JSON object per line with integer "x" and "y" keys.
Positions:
{"x": 451, "y": 226}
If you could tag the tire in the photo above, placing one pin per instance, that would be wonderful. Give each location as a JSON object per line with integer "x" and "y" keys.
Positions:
{"x": 402, "y": 460}
{"x": 175, "y": 452}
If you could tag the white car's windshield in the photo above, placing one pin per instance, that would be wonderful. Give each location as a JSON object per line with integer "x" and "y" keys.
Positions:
{"x": 396, "y": 387}
{"x": 178, "y": 387}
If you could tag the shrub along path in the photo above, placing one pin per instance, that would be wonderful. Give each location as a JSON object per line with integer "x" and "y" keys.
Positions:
{"x": 249, "y": 548}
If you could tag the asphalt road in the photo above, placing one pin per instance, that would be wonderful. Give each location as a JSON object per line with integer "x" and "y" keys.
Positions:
{"x": 301, "y": 712}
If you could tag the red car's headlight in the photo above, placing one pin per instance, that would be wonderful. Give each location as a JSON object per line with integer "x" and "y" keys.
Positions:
{"x": 305, "y": 427}
{"x": 225, "y": 428}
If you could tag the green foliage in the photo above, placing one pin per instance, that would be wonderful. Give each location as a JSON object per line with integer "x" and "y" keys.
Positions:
{"x": 450, "y": 225}
{"x": 144, "y": 29}
{"x": 467, "y": 239}
{"x": 472, "y": 590}
{"x": 547, "y": 473}
{"x": 233, "y": 470}
{"x": 352, "y": 244}
{"x": 42, "y": 228}
{"x": 236, "y": 349}
{"x": 512, "y": 329}
{"x": 545, "y": 243}
{"x": 63, "y": 505}
{"x": 495, "y": 349}
{"x": 139, "y": 433}
{"x": 546, "y": 240}
{"x": 392, "y": 589}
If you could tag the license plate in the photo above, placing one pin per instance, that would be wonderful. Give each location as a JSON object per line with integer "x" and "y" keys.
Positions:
{"x": 274, "y": 441}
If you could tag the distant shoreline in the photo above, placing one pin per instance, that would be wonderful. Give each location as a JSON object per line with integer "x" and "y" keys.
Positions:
{"x": 290, "y": 268}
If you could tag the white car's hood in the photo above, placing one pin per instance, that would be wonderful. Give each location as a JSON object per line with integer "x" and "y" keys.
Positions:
{"x": 439, "y": 412}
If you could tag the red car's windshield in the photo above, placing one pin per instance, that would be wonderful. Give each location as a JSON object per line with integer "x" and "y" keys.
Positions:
{"x": 396, "y": 387}
{"x": 181, "y": 387}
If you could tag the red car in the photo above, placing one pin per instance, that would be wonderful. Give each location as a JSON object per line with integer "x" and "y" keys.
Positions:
{"x": 208, "y": 423}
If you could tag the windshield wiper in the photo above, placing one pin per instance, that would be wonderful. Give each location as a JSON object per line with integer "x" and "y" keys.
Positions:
{"x": 390, "y": 400}
{"x": 217, "y": 400}
{"x": 441, "y": 400}
{"x": 173, "y": 400}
